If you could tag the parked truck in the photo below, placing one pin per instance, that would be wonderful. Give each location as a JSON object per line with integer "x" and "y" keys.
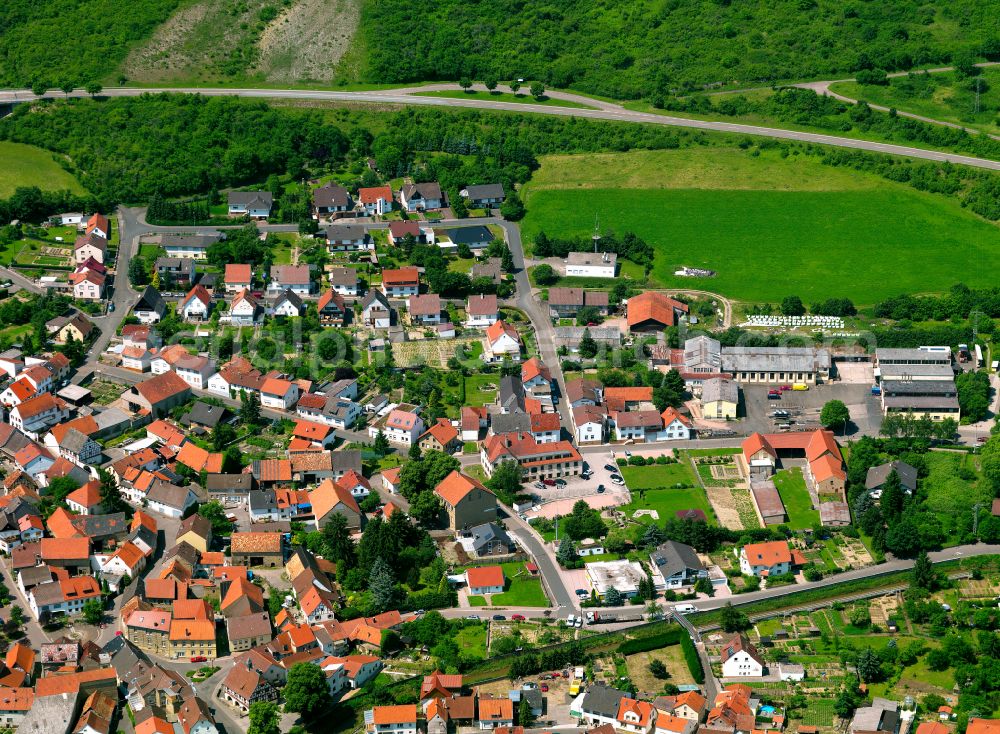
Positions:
{"x": 605, "y": 618}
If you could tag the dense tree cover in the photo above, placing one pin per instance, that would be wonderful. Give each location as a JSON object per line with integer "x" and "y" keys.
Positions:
{"x": 57, "y": 43}
{"x": 973, "y": 395}
{"x": 650, "y": 46}
{"x": 959, "y": 302}
{"x": 127, "y": 149}
{"x": 583, "y": 522}
{"x": 32, "y": 204}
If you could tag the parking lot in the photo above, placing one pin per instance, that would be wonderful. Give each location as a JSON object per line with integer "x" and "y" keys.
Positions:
{"x": 559, "y": 500}
{"x": 805, "y": 406}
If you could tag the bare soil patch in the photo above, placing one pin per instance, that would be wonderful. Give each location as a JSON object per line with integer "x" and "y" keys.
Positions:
{"x": 306, "y": 42}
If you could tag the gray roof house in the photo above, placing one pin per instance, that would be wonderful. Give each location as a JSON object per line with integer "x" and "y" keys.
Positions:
{"x": 510, "y": 423}
{"x": 251, "y": 203}
{"x": 677, "y": 565}
{"x": 484, "y": 195}
{"x": 600, "y": 704}
{"x": 489, "y": 539}
{"x": 875, "y": 479}
{"x": 882, "y": 715}
{"x": 511, "y": 395}
{"x": 205, "y": 415}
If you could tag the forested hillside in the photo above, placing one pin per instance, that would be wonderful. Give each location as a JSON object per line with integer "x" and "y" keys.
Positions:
{"x": 72, "y": 41}
{"x": 634, "y": 49}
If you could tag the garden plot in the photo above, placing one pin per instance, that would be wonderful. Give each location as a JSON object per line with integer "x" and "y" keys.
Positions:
{"x": 979, "y": 588}
{"x": 430, "y": 352}
{"x": 105, "y": 392}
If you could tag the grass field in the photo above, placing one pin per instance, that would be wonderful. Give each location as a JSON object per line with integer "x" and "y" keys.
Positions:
{"x": 749, "y": 217}
{"x": 522, "y": 589}
{"x": 504, "y": 97}
{"x": 471, "y": 640}
{"x": 474, "y": 396}
{"x": 938, "y": 96}
{"x": 26, "y": 165}
{"x": 649, "y": 487}
{"x": 657, "y": 476}
{"x": 798, "y": 504}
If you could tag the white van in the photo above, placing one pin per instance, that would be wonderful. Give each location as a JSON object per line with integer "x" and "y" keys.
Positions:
{"x": 685, "y": 608}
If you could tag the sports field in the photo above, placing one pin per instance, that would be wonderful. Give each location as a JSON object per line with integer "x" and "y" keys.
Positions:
{"x": 769, "y": 226}
{"x": 26, "y": 165}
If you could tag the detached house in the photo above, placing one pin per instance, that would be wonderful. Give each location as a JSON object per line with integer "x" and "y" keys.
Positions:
{"x": 278, "y": 393}
{"x": 158, "y": 395}
{"x": 330, "y": 201}
{"x": 99, "y": 225}
{"x": 502, "y": 341}
{"x": 196, "y": 305}
{"x": 400, "y": 426}
{"x": 92, "y": 245}
{"x": 295, "y": 278}
{"x": 88, "y": 285}
{"x": 79, "y": 327}
{"x": 189, "y": 246}
{"x": 400, "y": 719}
{"x": 421, "y": 196}
{"x": 740, "y": 659}
{"x": 634, "y": 716}
{"x": 467, "y": 503}
{"x": 400, "y": 230}
{"x": 766, "y": 559}
{"x": 401, "y": 283}
{"x": 288, "y": 304}
{"x": 376, "y": 311}
{"x": 375, "y": 201}
{"x": 150, "y": 307}
{"x": 349, "y": 238}
{"x": 253, "y": 204}
{"x": 343, "y": 281}
{"x": 237, "y": 277}
{"x": 37, "y": 414}
{"x": 442, "y": 436}
{"x": 676, "y": 566}
{"x": 484, "y": 196}
{"x": 331, "y": 308}
{"x": 329, "y": 499}
{"x": 481, "y": 311}
{"x": 425, "y": 309}
{"x": 245, "y": 309}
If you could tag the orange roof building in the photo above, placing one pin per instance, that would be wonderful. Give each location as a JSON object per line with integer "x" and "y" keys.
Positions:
{"x": 485, "y": 579}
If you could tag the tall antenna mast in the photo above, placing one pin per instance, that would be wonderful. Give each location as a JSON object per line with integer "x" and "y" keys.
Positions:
{"x": 596, "y": 237}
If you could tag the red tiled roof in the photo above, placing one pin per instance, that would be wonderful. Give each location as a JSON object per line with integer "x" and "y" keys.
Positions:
{"x": 652, "y": 306}
{"x": 373, "y": 194}
{"x": 402, "y": 276}
{"x": 237, "y": 273}
{"x": 454, "y": 487}
{"x": 484, "y": 576}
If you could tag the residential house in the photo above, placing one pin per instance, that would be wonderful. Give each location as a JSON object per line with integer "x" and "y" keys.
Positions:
{"x": 481, "y": 311}
{"x": 37, "y": 414}
{"x": 288, "y": 304}
{"x": 676, "y": 426}
{"x": 98, "y": 225}
{"x": 330, "y": 201}
{"x": 442, "y": 436}
{"x": 279, "y": 393}
{"x": 330, "y": 410}
{"x": 244, "y": 686}
{"x": 175, "y": 270}
{"x": 65, "y": 596}
{"x": 169, "y": 499}
{"x": 349, "y": 238}
{"x": 88, "y": 285}
{"x": 495, "y": 713}
{"x": 248, "y": 631}
{"x": 740, "y": 659}
{"x": 196, "y": 531}
{"x": 501, "y": 342}
{"x": 195, "y": 718}
{"x": 376, "y": 312}
{"x": 196, "y": 305}
{"x": 484, "y": 196}
{"x": 343, "y": 281}
{"x": 599, "y": 706}
{"x": 773, "y": 558}
{"x": 409, "y": 228}
{"x": 635, "y": 717}
{"x": 330, "y": 498}
{"x": 467, "y": 503}
{"x": 720, "y": 397}
{"x": 296, "y": 278}
{"x": 332, "y": 309}
{"x": 78, "y": 328}
{"x": 590, "y": 422}
{"x": 485, "y": 580}
{"x": 86, "y": 500}
{"x": 253, "y": 204}
{"x": 90, "y": 246}
{"x": 676, "y": 566}
{"x": 884, "y": 716}
{"x": 536, "y": 379}
{"x": 418, "y": 197}
{"x": 150, "y": 307}
{"x": 189, "y": 246}
{"x": 399, "y": 719}
{"x": 375, "y": 201}
{"x": 877, "y": 475}
{"x": 238, "y": 276}
{"x": 400, "y": 426}
{"x": 475, "y": 238}
{"x": 474, "y": 420}
{"x": 401, "y": 283}
{"x": 424, "y": 309}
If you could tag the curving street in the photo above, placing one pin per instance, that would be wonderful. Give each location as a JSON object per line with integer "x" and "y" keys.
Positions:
{"x": 607, "y": 111}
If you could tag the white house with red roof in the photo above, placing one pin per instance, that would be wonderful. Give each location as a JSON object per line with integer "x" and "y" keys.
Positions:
{"x": 676, "y": 426}
{"x": 88, "y": 285}
{"x": 294, "y": 278}
{"x": 375, "y": 200}
{"x": 196, "y": 305}
{"x": 17, "y": 392}
{"x": 401, "y": 283}
{"x": 485, "y": 580}
{"x": 278, "y": 393}
{"x": 400, "y": 426}
{"x": 740, "y": 659}
{"x": 245, "y": 310}
{"x": 766, "y": 559}
{"x": 98, "y": 224}
{"x": 92, "y": 246}
{"x": 238, "y": 276}
{"x": 501, "y": 341}
{"x": 635, "y": 717}
{"x": 37, "y": 414}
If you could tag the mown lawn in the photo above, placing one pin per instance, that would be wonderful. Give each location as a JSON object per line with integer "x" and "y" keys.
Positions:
{"x": 667, "y": 503}
{"x": 657, "y": 476}
{"x": 522, "y": 590}
{"x": 26, "y": 165}
{"x": 475, "y": 396}
{"x": 794, "y": 495}
{"x": 768, "y": 226}
{"x": 471, "y": 640}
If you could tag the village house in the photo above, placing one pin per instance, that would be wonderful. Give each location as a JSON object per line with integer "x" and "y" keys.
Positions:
{"x": 676, "y": 566}
{"x": 418, "y": 197}
{"x": 424, "y": 309}
{"x": 257, "y": 549}
{"x": 591, "y": 423}
{"x": 90, "y": 246}
{"x": 483, "y": 196}
{"x": 189, "y": 246}
{"x": 253, "y": 204}
{"x": 375, "y": 201}
{"x": 295, "y": 278}
{"x": 330, "y": 201}
{"x": 331, "y": 308}
{"x": 651, "y": 311}
{"x": 740, "y": 659}
{"x": 278, "y": 393}
{"x": 399, "y": 719}
{"x": 348, "y": 238}
{"x": 244, "y": 686}
{"x": 481, "y": 311}
{"x": 238, "y": 276}
{"x": 408, "y": 228}
{"x": 330, "y": 498}
{"x": 88, "y": 285}
{"x": 150, "y": 307}
{"x": 566, "y": 302}
{"x": 343, "y": 280}
{"x": 485, "y": 580}
{"x": 501, "y": 342}
{"x": 37, "y": 414}
{"x": 441, "y": 436}
{"x": 401, "y": 283}
{"x": 98, "y": 224}
{"x": 288, "y": 304}
{"x": 773, "y": 558}
{"x": 376, "y": 311}
{"x": 175, "y": 270}
{"x": 537, "y": 460}
{"x": 196, "y": 305}
{"x": 78, "y": 328}
{"x": 467, "y": 503}
{"x": 158, "y": 395}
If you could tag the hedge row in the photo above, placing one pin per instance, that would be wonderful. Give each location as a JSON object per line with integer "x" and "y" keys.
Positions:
{"x": 692, "y": 659}
{"x": 653, "y": 642}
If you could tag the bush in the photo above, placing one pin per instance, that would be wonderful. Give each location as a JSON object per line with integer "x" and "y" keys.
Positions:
{"x": 653, "y": 642}
{"x": 692, "y": 659}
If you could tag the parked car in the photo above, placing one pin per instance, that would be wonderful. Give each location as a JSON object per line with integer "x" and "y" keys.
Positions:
{"x": 600, "y": 489}
{"x": 473, "y": 617}
{"x": 199, "y": 659}
{"x": 560, "y": 482}
{"x": 582, "y": 592}
{"x": 579, "y": 623}
{"x": 628, "y": 454}
{"x": 517, "y": 617}
{"x": 545, "y": 687}
{"x": 611, "y": 467}
{"x": 617, "y": 480}
{"x": 549, "y": 482}
{"x": 498, "y": 618}
{"x": 774, "y": 395}
{"x": 539, "y": 485}
{"x": 785, "y": 388}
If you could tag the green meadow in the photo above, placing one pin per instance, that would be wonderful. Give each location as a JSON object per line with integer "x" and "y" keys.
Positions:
{"x": 26, "y": 165}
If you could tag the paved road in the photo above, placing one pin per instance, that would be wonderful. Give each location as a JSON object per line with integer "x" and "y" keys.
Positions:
{"x": 609, "y": 112}
{"x": 19, "y": 280}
